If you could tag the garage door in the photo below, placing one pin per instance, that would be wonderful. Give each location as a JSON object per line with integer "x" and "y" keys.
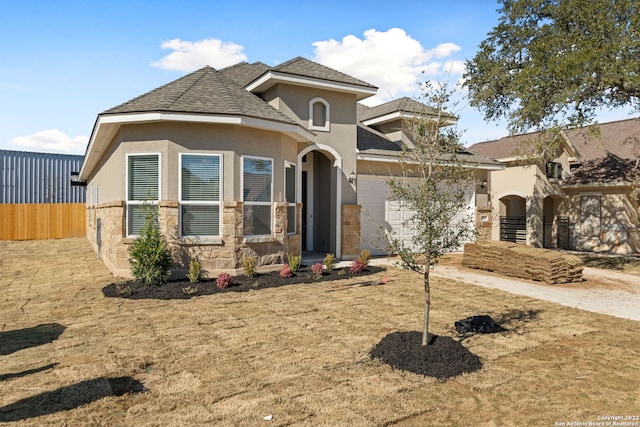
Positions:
{"x": 378, "y": 213}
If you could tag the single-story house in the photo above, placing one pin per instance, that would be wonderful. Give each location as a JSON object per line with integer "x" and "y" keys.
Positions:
{"x": 250, "y": 160}
{"x": 582, "y": 199}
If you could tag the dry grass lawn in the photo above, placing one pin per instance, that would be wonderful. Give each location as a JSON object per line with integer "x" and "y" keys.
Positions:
{"x": 299, "y": 353}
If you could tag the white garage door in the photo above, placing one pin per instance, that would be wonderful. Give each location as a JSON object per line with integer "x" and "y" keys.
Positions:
{"x": 378, "y": 211}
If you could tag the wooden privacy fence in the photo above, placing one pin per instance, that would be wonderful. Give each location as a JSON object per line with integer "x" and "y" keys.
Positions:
{"x": 31, "y": 221}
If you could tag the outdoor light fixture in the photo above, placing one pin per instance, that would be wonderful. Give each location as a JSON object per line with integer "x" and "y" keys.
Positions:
{"x": 352, "y": 177}
{"x": 484, "y": 184}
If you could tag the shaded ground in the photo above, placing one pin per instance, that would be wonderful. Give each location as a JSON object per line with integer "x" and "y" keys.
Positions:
{"x": 300, "y": 353}
{"x": 443, "y": 358}
{"x": 186, "y": 290}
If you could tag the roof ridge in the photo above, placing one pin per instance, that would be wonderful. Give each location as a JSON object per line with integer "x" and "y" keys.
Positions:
{"x": 206, "y": 69}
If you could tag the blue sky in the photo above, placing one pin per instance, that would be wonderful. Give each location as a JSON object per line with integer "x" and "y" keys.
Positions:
{"x": 64, "y": 62}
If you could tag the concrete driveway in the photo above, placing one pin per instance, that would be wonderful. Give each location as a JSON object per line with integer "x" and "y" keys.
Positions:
{"x": 622, "y": 301}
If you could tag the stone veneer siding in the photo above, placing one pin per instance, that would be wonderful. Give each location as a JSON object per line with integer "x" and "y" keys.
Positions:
{"x": 351, "y": 231}
{"x": 217, "y": 255}
{"x": 483, "y": 228}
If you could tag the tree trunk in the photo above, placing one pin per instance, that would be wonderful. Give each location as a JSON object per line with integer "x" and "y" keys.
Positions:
{"x": 427, "y": 305}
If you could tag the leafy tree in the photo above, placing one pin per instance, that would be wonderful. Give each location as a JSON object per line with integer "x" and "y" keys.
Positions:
{"x": 556, "y": 62}
{"x": 433, "y": 186}
{"x": 149, "y": 256}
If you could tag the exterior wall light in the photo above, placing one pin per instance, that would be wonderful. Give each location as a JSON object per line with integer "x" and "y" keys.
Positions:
{"x": 352, "y": 177}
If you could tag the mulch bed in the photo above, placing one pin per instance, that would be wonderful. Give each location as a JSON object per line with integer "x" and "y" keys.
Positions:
{"x": 443, "y": 358}
{"x": 185, "y": 290}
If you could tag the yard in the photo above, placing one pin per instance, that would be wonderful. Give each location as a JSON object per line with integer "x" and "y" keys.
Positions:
{"x": 298, "y": 353}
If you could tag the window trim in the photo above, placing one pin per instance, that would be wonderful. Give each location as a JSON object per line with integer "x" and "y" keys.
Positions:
{"x": 245, "y": 203}
{"x": 126, "y": 183}
{"x": 327, "y": 119}
{"x": 200, "y": 203}
{"x": 288, "y": 164}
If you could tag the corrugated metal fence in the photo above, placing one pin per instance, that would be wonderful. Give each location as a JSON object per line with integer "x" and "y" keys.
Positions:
{"x": 39, "y": 178}
{"x": 37, "y": 200}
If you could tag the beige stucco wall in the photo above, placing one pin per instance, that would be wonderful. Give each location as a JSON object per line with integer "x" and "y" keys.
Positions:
{"x": 170, "y": 139}
{"x": 342, "y": 134}
{"x": 619, "y": 219}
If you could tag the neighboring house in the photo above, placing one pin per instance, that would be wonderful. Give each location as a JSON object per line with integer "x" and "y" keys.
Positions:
{"x": 29, "y": 177}
{"x": 250, "y": 160}
{"x": 582, "y": 199}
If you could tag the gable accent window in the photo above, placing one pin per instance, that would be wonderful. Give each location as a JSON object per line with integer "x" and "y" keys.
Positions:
{"x": 143, "y": 186}
{"x": 319, "y": 114}
{"x": 290, "y": 195}
{"x": 200, "y": 194}
{"x": 257, "y": 195}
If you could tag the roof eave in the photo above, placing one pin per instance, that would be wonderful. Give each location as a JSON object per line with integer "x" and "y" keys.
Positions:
{"x": 271, "y": 78}
{"x": 107, "y": 125}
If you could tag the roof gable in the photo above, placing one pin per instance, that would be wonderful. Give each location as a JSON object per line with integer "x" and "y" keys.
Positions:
{"x": 303, "y": 67}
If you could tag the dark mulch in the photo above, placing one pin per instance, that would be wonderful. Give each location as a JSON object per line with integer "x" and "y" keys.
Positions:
{"x": 443, "y": 358}
{"x": 185, "y": 290}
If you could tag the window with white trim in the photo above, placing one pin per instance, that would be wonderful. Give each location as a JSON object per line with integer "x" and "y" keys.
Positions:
{"x": 257, "y": 195}
{"x": 319, "y": 114}
{"x": 290, "y": 195}
{"x": 143, "y": 187}
{"x": 200, "y": 194}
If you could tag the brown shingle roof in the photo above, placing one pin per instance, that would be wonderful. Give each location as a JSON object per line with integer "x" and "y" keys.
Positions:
{"x": 621, "y": 138}
{"x": 303, "y": 67}
{"x": 244, "y": 73}
{"x": 205, "y": 91}
{"x": 402, "y": 105}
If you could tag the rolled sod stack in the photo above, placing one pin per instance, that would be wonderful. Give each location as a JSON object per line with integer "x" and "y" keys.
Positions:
{"x": 526, "y": 262}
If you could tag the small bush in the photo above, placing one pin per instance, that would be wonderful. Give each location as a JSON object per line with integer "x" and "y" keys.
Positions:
{"x": 294, "y": 261}
{"x": 223, "y": 280}
{"x": 328, "y": 261}
{"x": 365, "y": 256}
{"x": 190, "y": 290}
{"x": 317, "y": 270}
{"x": 194, "y": 271}
{"x": 357, "y": 266}
{"x": 285, "y": 271}
{"x": 249, "y": 265}
{"x": 149, "y": 254}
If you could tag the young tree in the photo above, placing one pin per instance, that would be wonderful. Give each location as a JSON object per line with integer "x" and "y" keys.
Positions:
{"x": 556, "y": 62}
{"x": 433, "y": 186}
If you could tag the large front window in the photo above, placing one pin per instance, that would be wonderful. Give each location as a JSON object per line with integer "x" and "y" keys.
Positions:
{"x": 257, "y": 195}
{"x": 200, "y": 194}
{"x": 143, "y": 187}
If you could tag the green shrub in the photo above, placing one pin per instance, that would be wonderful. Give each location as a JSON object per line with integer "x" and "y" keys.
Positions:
{"x": 365, "y": 256}
{"x": 194, "y": 271}
{"x": 249, "y": 265}
{"x": 149, "y": 256}
{"x": 328, "y": 261}
{"x": 294, "y": 261}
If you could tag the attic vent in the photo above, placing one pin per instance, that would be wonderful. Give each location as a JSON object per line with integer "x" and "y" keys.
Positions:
{"x": 554, "y": 170}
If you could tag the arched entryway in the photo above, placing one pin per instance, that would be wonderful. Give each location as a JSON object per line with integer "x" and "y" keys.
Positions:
{"x": 513, "y": 219}
{"x": 320, "y": 170}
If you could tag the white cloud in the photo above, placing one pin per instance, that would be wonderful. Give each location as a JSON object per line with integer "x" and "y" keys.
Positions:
{"x": 52, "y": 141}
{"x": 392, "y": 60}
{"x": 189, "y": 56}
